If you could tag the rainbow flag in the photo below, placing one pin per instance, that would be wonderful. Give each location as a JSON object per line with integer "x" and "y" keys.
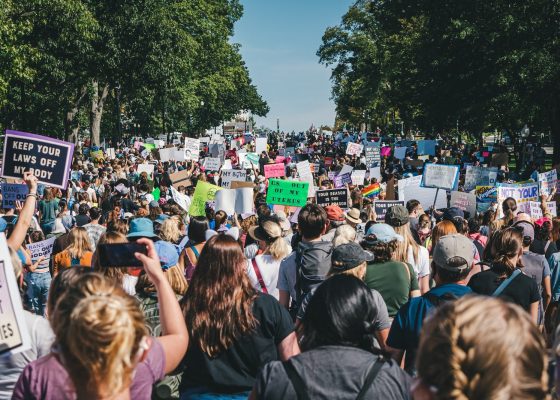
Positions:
{"x": 372, "y": 190}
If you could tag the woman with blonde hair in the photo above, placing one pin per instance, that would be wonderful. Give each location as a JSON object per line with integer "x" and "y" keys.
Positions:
{"x": 78, "y": 253}
{"x": 481, "y": 348}
{"x": 263, "y": 269}
{"x": 408, "y": 251}
{"x": 103, "y": 350}
{"x": 235, "y": 329}
{"x": 169, "y": 230}
{"x": 344, "y": 234}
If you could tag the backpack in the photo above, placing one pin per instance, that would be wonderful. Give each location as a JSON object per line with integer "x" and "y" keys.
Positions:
{"x": 307, "y": 276}
{"x": 437, "y": 301}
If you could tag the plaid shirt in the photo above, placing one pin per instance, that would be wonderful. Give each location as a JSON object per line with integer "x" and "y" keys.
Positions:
{"x": 94, "y": 232}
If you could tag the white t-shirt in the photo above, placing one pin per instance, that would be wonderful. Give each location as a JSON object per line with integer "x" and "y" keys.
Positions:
{"x": 422, "y": 266}
{"x": 269, "y": 268}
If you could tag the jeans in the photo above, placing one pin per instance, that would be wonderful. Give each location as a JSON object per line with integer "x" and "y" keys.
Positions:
{"x": 203, "y": 393}
{"x": 37, "y": 291}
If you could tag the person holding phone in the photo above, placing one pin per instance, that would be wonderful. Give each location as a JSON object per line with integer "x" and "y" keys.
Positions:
{"x": 102, "y": 345}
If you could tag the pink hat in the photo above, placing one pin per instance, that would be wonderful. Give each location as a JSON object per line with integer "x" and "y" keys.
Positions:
{"x": 541, "y": 221}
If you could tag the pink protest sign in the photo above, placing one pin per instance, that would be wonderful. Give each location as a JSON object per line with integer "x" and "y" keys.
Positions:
{"x": 385, "y": 151}
{"x": 274, "y": 170}
{"x": 279, "y": 159}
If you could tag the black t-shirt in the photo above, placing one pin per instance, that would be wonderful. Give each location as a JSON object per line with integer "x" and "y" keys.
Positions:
{"x": 235, "y": 369}
{"x": 522, "y": 291}
{"x": 538, "y": 246}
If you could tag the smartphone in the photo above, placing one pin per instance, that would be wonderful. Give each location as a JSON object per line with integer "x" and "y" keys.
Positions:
{"x": 120, "y": 254}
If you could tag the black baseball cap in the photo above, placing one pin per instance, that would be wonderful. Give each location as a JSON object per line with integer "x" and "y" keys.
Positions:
{"x": 348, "y": 256}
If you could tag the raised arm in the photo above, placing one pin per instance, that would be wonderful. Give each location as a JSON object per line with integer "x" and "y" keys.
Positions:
{"x": 26, "y": 215}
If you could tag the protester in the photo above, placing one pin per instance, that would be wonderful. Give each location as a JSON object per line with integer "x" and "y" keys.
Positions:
{"x": 196, "y": 233}
{"x": 48, "y": 208}
{"x": 78, "y": 252}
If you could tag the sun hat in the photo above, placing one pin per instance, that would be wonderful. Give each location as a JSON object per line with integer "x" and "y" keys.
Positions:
{"x": 449, "y": 248}
{"x": 161, "y": 219}
{"x": 353, "y": 216}
{"x": 141, "y": 227}
{"x": 266, "y": 231}
{"x": 283, "y": 219}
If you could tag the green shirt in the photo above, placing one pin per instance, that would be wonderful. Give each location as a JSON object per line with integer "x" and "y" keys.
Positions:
{"x": 392, "y": 280}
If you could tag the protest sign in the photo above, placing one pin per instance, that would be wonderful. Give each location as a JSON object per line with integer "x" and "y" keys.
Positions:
{"x": 440, "y": 176}
{"x": 274, "y": 170}
{"x": 375, "y": 172}
{"x": 14, "y": 337}
{"x": 547, "y": 182}
{"x": 354, "y": 149}
{"x": 181, "y": 199}
{"x": 479, "y": 176}
{"x": 400, "y": 153}
{"x": 305, "y": 175}
{"x": 111, "y": 155}
{"x": 48, "y": 159}
{"x": 212, "y": 164}
{"x": 229, "y": 175}
{"x": 166, "y": 154}
{"x": 288, "y": 193}
{"x": 382, "y": 206}
{"x": 203, "y": 192}
{"x": 147, "y": 168}
{"x": 260, "y": 145}
{"x": 385, "y": 151}
{"x": 253, "y": 158}
{"x": 426, "y": 147}
{"x": 464, "y": 201}
{"x": 181, "y": 178}
{"x": 523, "y": 193}
{"x": 240, "y": 184}
{"x": 414, "y": 163}
{"x": 192, "y": 149}
{"x": 97, "y": 155}
{"x": 179, "y": 155}
{"x": 328, "y": 161}
{"x": 332, "y": 197}
{"x": 409, "y": 189}
{"x": 232, "y": 201}
{"x": 11, "y": 193}
{"x": 40, "y": 249}
{"x": 342, "y": 179}
{"x": 358, "y": 176}
{"x": 485, "y": 197}
{"x": 279, "y": 159}
{"x": 373, "y": 155}
{"x": 346, "y": 169}
{"x": 536, "y": 211}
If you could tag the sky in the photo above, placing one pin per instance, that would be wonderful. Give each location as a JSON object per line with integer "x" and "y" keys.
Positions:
{"x": 279, "y": 40}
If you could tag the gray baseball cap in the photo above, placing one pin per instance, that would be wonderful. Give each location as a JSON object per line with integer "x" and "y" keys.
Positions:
{"x": 451, "y": 247}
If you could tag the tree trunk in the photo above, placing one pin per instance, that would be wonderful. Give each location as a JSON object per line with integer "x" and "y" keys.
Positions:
{"x": 70, "y": 131}
{"x": 555, "y": 130}
{"x": 97, "y": 102}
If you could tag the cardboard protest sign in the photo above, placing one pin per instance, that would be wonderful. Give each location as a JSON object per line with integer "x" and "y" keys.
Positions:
{"x": 354, "y": 149}
{"x": 305, "y": 175}
{"x": 230, "y": 175}
{"x": 11, "y": 193}
{"x": 409, "y": 189}
{"x": 382, "y": 206}
{"x": 181, "y": 199}
{"x": 15, "y": 336}
{"x": 240, "y": 184}
{"x": 274, "y": 170}
{"x": 212, "y": 164}
{"x": 288, "y": 193}
{"x": 479, "y": 176}
{"x": 536, "y": 211}
{"x": 47, "y": 158}
{"x": 260, "y": 145}
{"x": 523, "y": 193}
{"x": 342, "y": 179}
{"x": 547, "y": 182}
{"x": 330, "y": 197}
{"x": 237, "y": 201}
{"x": 203, "y": 192}
{"x": 464, "y": 201}
{"x": 181, "y": 178}
{"x": 179, "y": 155}
{"x": 43, "y": 248}
{"x": 192, "y": 149}
{"x": 440, "y": 176}
{"x": 400, "y": 153}
{"x": 358, "y": 177}
{"x": 426, "y": 147}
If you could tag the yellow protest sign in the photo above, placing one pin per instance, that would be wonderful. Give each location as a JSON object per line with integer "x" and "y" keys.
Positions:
{"x": 203, "y": 192}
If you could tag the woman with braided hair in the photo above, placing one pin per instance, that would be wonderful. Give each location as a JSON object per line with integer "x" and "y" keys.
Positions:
{"x": 505, "y": 279}
{"x": 480, "y": 348}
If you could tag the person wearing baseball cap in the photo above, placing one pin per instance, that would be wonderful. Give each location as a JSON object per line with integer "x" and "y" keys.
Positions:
{"x": 452, "y": 262}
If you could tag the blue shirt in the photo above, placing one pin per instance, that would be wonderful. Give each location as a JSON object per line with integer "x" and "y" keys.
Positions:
{"x": 406, "y": 327}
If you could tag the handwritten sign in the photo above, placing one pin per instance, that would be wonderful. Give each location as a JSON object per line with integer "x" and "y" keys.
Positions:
{"x": 409, "y": 189}
{"x": 274, "y": 170}
{"x": 382, "y": 206}
{"x": 260, "y": 145}
{"x": 373, "y": 156}
{"x": 230, "y": 175}
{"x": 354, "y": 149}
{"x": 212, "y": 163}
{"x": 181, "y": 199}
{"x": 47, "y": 158}
{"x": 523, "y": 193}
{"x": 11, "y": 193}
{"x": 440, "y": 176}
{"x": 358, "y": 176}
{"x": 479, "y": 176}
{"x": 332, "y": 197}
{"x": 342, "y": 179}
{"x": 547, "y": 182}
{"x": 464, "y": 201}
{"x": 288, "y": 193}
{"x": 203, "y": 192}
{"x": 305, "y": 175}
{"x": 41, "y": 249}
{"x": 192, "y": 149}
{"x": 536, "y": 211}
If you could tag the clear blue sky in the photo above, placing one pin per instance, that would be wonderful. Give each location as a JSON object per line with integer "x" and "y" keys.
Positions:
{"x": 279, "y": 40}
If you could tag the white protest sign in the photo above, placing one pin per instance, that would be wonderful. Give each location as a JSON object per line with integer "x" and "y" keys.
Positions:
{"x": 212, "y": 164}
{"x": 229, "y": 175}
{"x": 179, "y": 155}
{"x": 15, "y": 337}
{"x": 354, "y": 149}
{"x": 375, "y": 172}
{"x": 440, "y": 176}
{"x": 536, "y": 211}
{"x": 43, "y": 248}
{"x": 111, "y": 155}
{"x": 227, "y": 164}
{"x": 147, "y": 168}
{"x": 523, "y": 193}
{"x": 166, "y": 154}
{"x": 305, "y": 175}
{"x": 181, "y": 199}
{"x": 547, "y": 182}
{"x": 358, "y": 177}
{"x": 260, "y": 145}
{"x": 232, "y": 201}
{"x": 409, "y": 189}
{"x": 346, "y": 169}
{"x": 479, "y": 176}
{"x": 464, "y": 201}
{"x": 192, "y": 149}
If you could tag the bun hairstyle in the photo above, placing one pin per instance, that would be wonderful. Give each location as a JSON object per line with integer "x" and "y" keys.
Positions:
{"x": 505, "y": 246}
{"x": 505, "y": 361}
{"x": 99, "y": 330}
{"x": 509, "y": 207}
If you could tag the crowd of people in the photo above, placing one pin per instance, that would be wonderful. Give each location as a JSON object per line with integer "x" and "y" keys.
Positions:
{"x": 314, "y": 303}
